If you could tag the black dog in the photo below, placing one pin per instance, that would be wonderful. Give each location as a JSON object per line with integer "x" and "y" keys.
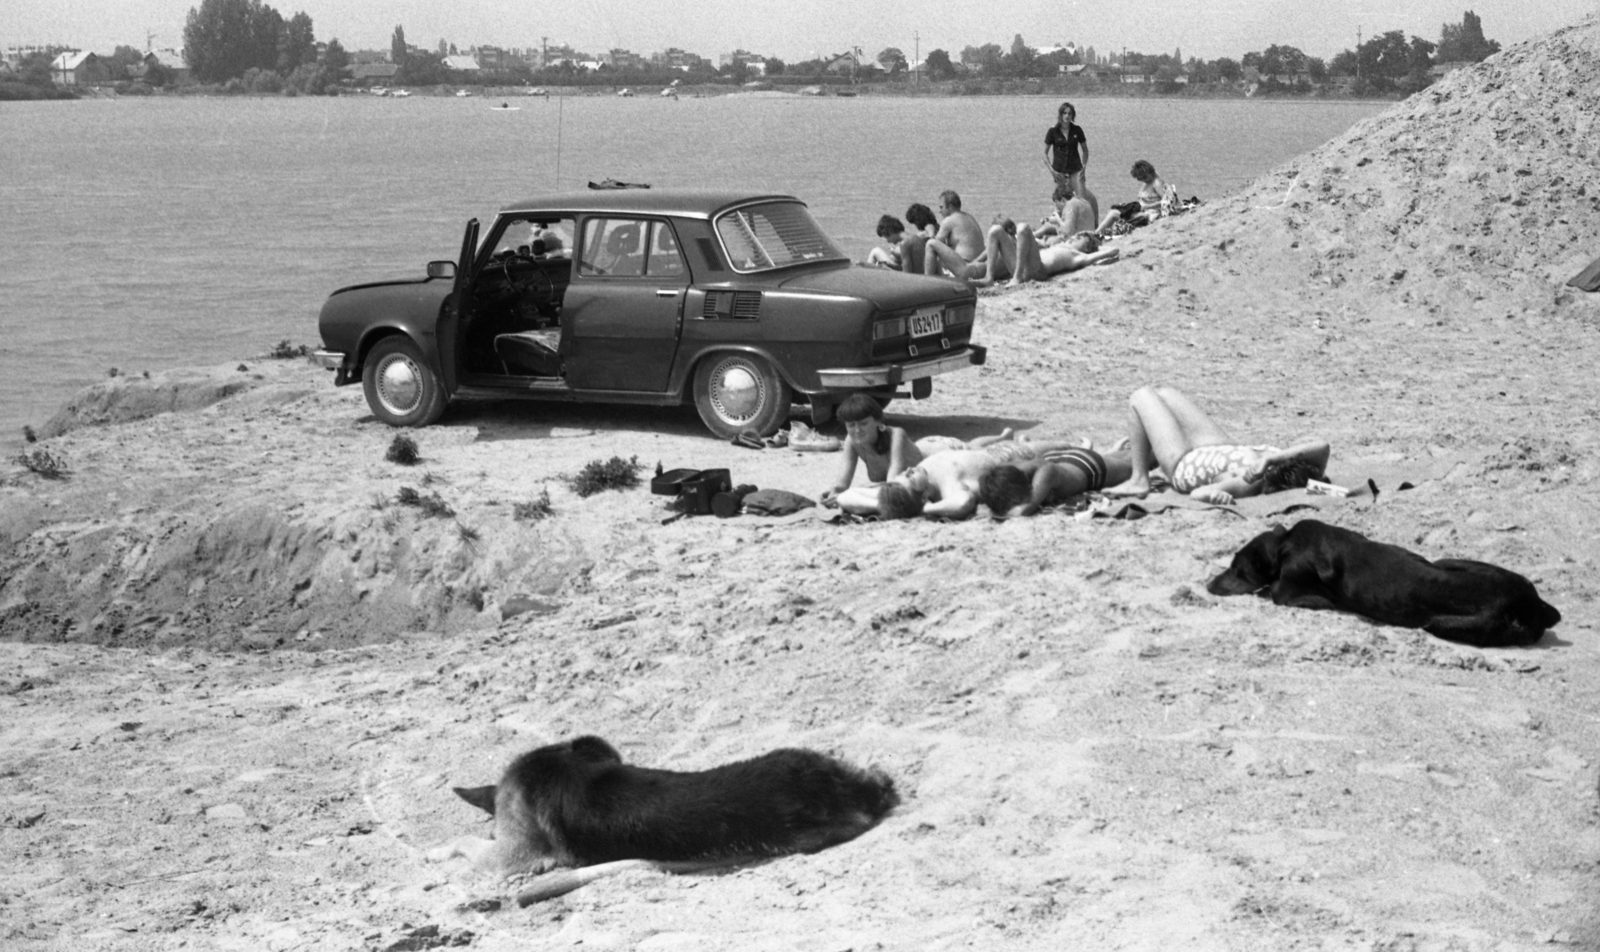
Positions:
{"x": 1315, "y": 565}
{"x": 578, "y": 804}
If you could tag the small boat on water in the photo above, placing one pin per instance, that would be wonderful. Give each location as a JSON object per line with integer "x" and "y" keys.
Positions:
{"x": 628, "y": 93}
{"x": 401, "y": 93}
{"x": 537, "y": 91}
{"x": 462, "y": 94}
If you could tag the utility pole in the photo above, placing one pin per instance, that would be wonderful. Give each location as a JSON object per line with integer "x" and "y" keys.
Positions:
{"x": 916, "y": 56}
{"x": 1358, "y": 51}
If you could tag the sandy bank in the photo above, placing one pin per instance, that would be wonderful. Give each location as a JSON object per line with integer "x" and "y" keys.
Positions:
{"x": 1093, "y": 751}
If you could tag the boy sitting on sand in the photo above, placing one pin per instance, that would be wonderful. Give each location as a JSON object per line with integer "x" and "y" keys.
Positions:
{"x": 900, "y": 251}
{"x": 887, "y": 451}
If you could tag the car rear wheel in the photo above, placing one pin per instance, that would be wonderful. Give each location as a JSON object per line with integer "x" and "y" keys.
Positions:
{"x": 401, "y": 388}
{"x": 738, "y": 392}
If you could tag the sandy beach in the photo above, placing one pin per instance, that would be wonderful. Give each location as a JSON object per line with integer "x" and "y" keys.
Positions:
{"x": 239, "y": 678}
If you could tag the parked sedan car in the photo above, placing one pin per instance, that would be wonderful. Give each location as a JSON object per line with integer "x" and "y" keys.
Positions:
{"x": 737, "y": 302}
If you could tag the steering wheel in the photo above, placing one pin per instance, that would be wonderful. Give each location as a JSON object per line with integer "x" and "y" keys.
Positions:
{"x": 503, "y": 282}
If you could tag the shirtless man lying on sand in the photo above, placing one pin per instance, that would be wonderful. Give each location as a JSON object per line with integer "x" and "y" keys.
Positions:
{"x": 959, "y": 246}
{"x": 1024, "y": 258}
{"x": 886, "y": 451}
{"x": 945, "y": 485}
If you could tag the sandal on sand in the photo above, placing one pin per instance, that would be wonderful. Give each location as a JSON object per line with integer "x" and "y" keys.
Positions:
{"x": 750, "y": 439}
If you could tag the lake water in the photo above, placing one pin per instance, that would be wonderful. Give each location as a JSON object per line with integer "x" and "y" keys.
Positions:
{"x": 144, "y": 234}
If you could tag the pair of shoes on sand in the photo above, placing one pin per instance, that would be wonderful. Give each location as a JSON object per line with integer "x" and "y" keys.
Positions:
{"x": 799, "y": 437}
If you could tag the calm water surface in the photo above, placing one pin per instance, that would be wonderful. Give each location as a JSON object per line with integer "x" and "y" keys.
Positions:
{"x": 144, "y": 234}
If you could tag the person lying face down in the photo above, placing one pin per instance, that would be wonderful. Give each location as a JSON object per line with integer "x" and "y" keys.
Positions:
{"x": 1023, "y": 487}
{"x": 886, "y": 451}
{"x": 945, "y": 485}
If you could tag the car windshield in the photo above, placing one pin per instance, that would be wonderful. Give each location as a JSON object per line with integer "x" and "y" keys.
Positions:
{"x": 773, "y": 235}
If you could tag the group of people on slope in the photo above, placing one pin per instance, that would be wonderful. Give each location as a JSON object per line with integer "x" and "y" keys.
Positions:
{"x": 954, "y": 244}
{"x": 943, "y": 477}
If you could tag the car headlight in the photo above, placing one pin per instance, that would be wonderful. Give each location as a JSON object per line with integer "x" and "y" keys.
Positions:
{"x": 893, "y": 327}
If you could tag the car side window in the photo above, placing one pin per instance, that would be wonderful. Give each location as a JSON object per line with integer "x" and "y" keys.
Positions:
{"x": 613, "y": 247}
{"x": 665, "y": 260}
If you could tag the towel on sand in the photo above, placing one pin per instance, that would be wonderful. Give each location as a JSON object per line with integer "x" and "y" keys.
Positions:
{"x": 1381, "y": 476}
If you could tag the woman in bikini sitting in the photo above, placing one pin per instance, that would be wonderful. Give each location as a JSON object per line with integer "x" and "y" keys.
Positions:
{"x": 1200, "y": 459}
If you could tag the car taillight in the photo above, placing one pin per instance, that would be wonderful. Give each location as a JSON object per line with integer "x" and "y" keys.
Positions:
{"x": 960, "y": 315}
{"x": 893, "y": 327}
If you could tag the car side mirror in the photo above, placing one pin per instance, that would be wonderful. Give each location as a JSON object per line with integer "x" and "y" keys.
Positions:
{"x": 441, "y": 269}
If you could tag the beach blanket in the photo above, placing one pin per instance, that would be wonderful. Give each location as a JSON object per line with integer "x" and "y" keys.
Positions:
{"x": 1383, "y": 477}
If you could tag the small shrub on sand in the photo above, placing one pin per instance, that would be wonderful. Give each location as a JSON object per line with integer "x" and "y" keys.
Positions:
{"x": 43, "y": 462}
{"x": 283, "y": 350}
{"x": 28, "y": 436}
{"x": 468, "y": 534}
{"x": 431, "y": 504}
{"x": 614, "y": 473}
{"x": 535, "y": 509}
{"x": 402, "y": 450}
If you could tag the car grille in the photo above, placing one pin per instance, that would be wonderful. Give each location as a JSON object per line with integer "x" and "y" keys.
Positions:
{"x": 732, "y": 305}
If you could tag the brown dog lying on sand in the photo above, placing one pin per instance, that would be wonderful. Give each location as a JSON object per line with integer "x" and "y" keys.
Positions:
{"x": 577, "y": 804}
{"x": 1315, "y": 565}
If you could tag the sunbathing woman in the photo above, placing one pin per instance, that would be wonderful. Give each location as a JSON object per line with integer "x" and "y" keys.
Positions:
{"x": 1155, "y": 199}
{"x": 1200, "y": 459}
{"x": 887, "y": 451}
{"x": 1023, "y": 487}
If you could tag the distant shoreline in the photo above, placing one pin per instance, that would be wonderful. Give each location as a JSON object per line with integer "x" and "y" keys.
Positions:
{"x": 807, "y": 90}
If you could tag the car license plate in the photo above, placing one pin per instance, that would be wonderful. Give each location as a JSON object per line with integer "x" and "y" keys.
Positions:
{"x": 924, "y": 323}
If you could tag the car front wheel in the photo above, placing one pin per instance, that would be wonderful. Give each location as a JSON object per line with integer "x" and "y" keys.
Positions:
{"x": 738, "y": 392}
{"x": 401, "y": 388}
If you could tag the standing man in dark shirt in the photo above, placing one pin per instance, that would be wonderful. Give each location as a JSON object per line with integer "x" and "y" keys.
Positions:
{"x": 1066, "y": 154}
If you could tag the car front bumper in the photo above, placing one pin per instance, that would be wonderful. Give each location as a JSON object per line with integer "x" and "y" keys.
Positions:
{"x": 893, "y": 375}
{"x": 328, "y": 359}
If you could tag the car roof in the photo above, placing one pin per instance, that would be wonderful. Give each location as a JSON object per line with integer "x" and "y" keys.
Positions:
{"x": 684, "y": 203}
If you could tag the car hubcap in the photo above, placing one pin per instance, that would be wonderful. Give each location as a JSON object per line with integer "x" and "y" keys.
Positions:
{"x": 398, "y": 385}
{"x": 737, "y": 392}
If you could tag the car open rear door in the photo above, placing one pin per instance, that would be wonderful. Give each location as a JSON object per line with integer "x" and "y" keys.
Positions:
{"x": 456, "y": 311}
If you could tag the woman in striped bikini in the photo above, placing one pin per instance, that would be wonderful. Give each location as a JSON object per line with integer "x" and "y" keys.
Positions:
{"x": 1200, "y": 458}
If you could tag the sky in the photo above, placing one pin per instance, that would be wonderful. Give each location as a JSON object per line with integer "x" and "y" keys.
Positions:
{"x": 794, "y": 30}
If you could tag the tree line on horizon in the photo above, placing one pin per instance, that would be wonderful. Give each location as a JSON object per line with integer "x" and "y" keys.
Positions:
{"x": 1388, "y": 62}
{"x": 246, "y": 45}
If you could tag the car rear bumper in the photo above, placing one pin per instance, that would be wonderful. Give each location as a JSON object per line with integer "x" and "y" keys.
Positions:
{"x": 892, "y": 375}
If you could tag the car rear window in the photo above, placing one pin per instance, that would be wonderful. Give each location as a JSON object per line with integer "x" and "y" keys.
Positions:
{"x": 773, "y": 235}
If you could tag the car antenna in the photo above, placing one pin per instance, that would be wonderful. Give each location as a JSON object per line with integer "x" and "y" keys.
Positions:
{"x": 561, "y": 99}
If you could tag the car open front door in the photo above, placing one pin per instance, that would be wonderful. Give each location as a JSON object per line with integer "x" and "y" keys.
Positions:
{"x": 456, "y": 311}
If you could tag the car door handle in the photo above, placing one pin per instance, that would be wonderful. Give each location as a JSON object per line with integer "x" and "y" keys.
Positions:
{"x": 666, "y": 292}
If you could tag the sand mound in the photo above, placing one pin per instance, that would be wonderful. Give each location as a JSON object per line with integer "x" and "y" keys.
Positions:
{"x": 122, "y": 399}
{"x": 1489, "y": 181}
